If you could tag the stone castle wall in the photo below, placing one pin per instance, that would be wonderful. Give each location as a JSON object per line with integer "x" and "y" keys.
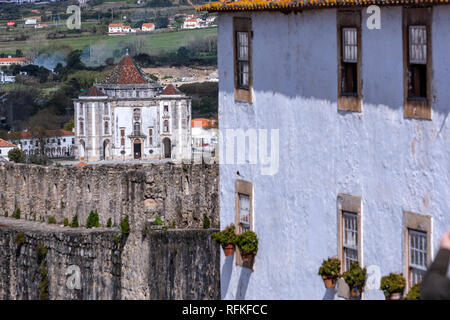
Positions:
{"x": 179, "y": 264}
{"x": 180, "y": 194}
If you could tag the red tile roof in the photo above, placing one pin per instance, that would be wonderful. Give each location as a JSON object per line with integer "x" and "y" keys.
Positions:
{"x": 298, "y": 5}
{"x": 95, "y": 92}
{"x": 147, "y": 25}
{"x": 6, "y": 144}
{"x": 13, "y": 59}
{"x": 115, "y": 25}
{"x": 170, "y": 89}
{"x": 126, "y": 72}
{"x": 204, "y": 123}
{"x": 48, "y": 133}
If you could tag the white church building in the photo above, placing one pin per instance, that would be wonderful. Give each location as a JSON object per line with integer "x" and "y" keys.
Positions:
{"x": 128, "y": 116}
{"x": 363, "y": 143}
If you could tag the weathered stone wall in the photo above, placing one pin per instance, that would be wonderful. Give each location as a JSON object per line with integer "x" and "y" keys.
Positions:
{"x": 184, "y": 265}
{"x": 180, "y": 194}
{"x": 25, "y": 268}
{"x": 180, "y": 264}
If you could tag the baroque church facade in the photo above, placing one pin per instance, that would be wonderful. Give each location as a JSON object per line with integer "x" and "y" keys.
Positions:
{"x": 129, "y": 116}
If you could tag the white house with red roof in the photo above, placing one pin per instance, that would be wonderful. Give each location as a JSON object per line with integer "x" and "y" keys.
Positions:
{"x": 127, "y": 115}
{"x": 5, "y": 147}
{"x": 146, "y": 27}
{"x": 191, "y": 23}
{"x": 115, "y": 28}
{"x": 57, "y": 143}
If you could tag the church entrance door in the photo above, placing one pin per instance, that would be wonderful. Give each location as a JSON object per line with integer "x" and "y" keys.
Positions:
{"x": 137, "y": 149}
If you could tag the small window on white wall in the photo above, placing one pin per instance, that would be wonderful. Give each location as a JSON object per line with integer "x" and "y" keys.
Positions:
{"x": 417, "y": 256}
{"x": 244, "y": 212}
{"x": 350, "y": 45}
{"x": 418, "y": 44}
{"x": 350, "y": 238}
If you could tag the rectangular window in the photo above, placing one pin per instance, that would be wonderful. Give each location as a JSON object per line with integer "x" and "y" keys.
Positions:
{"x": 244, "y": 212}
{"x": 242, "y": 59}
{"x": 349, "y": 230}
{"x": 150, "y": 136}
{"x": 122, "y": 137}
{"x": 417, "y": 62}
{"x": 349, "y": 53}
{"x": 417, "y": 256}
{"x": 417, "y": 249}
{"x": 350, "y": 241}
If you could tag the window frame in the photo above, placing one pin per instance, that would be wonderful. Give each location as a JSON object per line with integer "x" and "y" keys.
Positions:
{"x": 243, "y": 187}
{"x": 349, "y": 18}
{"x": 349, "y": 204}
{"x": 417, "y": 107}
{"x": 415, "y": 222}
{"x": 242, "y": 24}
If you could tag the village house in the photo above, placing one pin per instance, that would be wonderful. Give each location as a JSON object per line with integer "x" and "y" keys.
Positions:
{"x": 204, "y": 134}
{"x": 5, "y": 147}
{"x": 146, "y": 27}
{"x": 11, "y": 61}
{"x": 57, "y": 143}
{"x": 191, "y": 23}
{"x": 129, "y": 116}
{"x": 363, "y": 140}
{"x": 115, "y": 28}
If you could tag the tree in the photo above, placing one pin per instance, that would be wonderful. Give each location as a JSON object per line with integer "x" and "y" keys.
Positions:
{"x": 69, "y": 125}
{"x": 16, "y": 155}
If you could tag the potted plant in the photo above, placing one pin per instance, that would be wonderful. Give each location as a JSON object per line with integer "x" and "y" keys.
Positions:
{"x": 393, "y": 285}
{"x": 355, "y": 279}
{"x": 329, "y": 271}
{"x": 247, "y": 243}
{"x": 227, "y": 238}
{"x": 413, "y": 293}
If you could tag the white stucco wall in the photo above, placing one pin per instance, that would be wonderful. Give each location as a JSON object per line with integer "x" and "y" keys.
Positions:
{"x": 393, "y": 163}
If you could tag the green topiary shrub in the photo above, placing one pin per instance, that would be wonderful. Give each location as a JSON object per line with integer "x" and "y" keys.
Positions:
{"x": 247, "y": 243}
{"x": 51, "y": 220}
{"x": 226, "y": 236}
{"x": 158, "y": 221}
{"x": 413, "y": 293}
{"x": 355, "y": 277}
{"x": 206, "y": 222}
{"x": 109, "y": 223}
{"x": 125, "y": 226}
{"x": 74, "y": 223}
{"x": 330, "y": 269}
{"x": 392, "y": 283}
{"x": 16, "y": 214}
{"x": 66, "y": 222}
{"x": 93, "y": 220}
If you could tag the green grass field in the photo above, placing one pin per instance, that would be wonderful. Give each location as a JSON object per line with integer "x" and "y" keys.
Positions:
{"x": 153, "y": 42}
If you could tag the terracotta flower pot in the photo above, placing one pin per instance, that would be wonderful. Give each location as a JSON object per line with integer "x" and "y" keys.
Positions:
{"x": 247, "y": 257}
{"x": 394, "y": 296}
{"x": 329, "y": 282}
{"x": 228, "y": 249}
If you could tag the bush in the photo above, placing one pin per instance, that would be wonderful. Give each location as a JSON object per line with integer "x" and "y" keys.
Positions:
{"x": 355, "y": 277}
{"x": 247, "y": 242}
{"x": 16, "y": 213}
{"x": 330, "y": 268}
{"x": 74, "y": 223}
{"x": 66, "y": 222}
{"x": 392, "y": 283}
{"x": 93, "y": 220}
{"x": 158, "y": 221}
{"x": 206, "y": 222}
{"x": 20, "y": 238}
{"x": 16, "y": 155}
{"x": 125, "y": 226}
{"x": 225, "y": 237}
{"x": 51, "y": 220}
{"x": 109, "y": 223}
{"x": 413, "y": 293}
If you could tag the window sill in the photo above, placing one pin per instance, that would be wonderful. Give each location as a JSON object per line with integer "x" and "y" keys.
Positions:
{"x": 349, "y": 103}
{"x": 243, "y": 95}
{"x": 417, "y": 109}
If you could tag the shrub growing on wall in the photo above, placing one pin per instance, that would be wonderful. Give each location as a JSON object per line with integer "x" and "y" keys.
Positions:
{"x": 74, "y": 223}
{"x": 93, "y": 220}
{"x": 125, "y": 226}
